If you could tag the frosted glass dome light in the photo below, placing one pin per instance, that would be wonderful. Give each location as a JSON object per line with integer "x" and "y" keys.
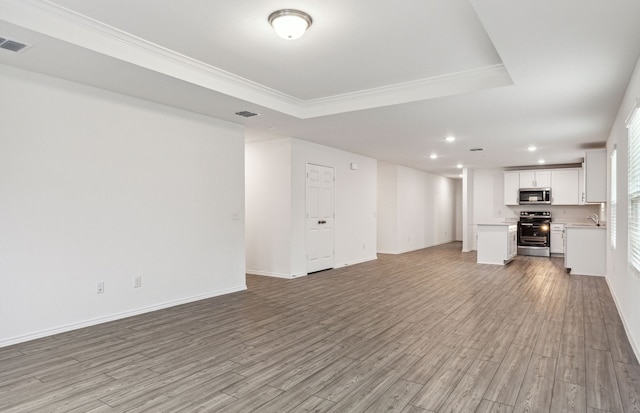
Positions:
{"x": 290, "y": 24}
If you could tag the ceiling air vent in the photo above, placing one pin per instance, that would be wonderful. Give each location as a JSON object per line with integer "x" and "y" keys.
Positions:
{"x": 11, "y": 45}
{"x": 246, "y": 114}
{"x": 476, "y": 149}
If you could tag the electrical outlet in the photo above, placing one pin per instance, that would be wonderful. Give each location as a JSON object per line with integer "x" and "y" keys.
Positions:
{"x": 137, "y": 281}
{"x": 100, "y": 288}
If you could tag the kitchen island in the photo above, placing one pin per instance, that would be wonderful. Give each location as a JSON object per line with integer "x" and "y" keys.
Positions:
{"x": 497, "y": 243}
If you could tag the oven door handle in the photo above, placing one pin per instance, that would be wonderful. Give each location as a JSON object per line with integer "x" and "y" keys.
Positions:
{"x": 525, "y": 224}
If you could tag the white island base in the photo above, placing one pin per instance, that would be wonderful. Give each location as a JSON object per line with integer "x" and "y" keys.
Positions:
{"x": 497, "y": 243}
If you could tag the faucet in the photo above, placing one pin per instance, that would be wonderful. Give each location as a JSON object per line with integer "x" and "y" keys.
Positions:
{"x": 595, "y": 218}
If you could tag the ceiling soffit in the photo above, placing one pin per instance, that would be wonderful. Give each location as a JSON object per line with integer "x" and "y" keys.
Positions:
{"x": 63, "y": 24}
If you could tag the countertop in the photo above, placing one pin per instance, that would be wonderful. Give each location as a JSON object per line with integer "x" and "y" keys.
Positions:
{"x": 585, "y": 226}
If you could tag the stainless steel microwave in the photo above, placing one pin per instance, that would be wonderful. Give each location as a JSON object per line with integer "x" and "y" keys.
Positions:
{"x": 528, "y": 196}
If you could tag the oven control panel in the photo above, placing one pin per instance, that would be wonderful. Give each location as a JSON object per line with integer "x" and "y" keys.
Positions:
{"x": 535, "y": 214}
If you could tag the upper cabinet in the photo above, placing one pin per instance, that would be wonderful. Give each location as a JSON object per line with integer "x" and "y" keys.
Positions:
{"x": 595, "y": 176}
{"x": 511, "y": 187}
{"x": 565, "y": 187}
{"x": 535, "y": 179}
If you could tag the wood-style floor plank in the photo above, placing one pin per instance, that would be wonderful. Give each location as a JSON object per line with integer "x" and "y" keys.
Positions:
{"x": 568, "y": 398}
{"x": 602, "y": 386}
{"x": 571, "y": 361}
{"x": 428, "y": 331}
{"x": 628, "y": 376}
{"x": 506, "y": 382}
{"x": 537, "y": 387}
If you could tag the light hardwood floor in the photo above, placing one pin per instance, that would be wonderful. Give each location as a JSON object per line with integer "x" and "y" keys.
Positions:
{"x": 426, "y": 331}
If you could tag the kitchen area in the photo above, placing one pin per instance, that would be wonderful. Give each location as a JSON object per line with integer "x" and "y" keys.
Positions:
{"x": 554, "y": 212}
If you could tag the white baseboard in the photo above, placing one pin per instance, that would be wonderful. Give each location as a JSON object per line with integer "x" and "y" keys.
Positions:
{"x": 403, "y": 251}
{"x": 634, "y": 346}
{"x": 270, "y": 274}
{"x": 303, "y": 274}
{"x": 346, "y": 264}
{"x": 88, "y": 323}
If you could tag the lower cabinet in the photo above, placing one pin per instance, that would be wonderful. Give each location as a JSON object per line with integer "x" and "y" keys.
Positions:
{"x": 585, "y": 250}
{"x": 557, "y": 239}
{"x": 497, "y": 243}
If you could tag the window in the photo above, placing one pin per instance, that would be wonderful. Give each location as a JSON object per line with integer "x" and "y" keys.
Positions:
{"x": 614, "y": 197}
{"x": 634, "y": 190}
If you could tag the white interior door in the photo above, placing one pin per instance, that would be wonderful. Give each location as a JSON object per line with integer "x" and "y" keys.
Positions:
{"x": 320, "y": 217}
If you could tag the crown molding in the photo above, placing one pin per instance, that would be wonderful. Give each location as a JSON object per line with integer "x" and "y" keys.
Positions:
{"x": 50, "y": 19}
{"x": 422, "y": 89}
{"x": 53, "y": 20}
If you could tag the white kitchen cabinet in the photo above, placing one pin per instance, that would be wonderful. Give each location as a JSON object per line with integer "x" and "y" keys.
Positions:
{"x": 557, "y": 239}
{"x": 565, "y": 187}
{"x": 511, "y": 187}
{"x": 585, "y": 249}
{"x": 535, "y": 179}
{"x": 497, "y": 243}
{"x": 595, "y": 176}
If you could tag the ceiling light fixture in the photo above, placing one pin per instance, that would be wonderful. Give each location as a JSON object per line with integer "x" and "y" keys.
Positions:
{"x": 450, "y": 138}
{"x": 434, "y": 156}
{"x": 531, "y": 148}
{"x": 459, "y": 166}
{"x": 541, "y": 161}
{"x": 290, "y": 24}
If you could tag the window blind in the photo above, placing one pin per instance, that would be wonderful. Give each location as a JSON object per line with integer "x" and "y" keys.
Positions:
{"x": 634, "y": 190}
{"x": 613, "y": 205}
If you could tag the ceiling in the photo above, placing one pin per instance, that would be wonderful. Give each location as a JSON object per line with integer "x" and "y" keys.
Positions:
{"x": 368, "y": 77}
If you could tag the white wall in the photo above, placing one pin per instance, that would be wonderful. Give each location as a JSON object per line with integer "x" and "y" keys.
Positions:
{"x": 624, "y": 283}
{"x": 458, "y": 210}
{"x": 355, "y": 206}
{"x": 355, "y": 203}
{"x": 425, "y": 209}
{"x": 98, "y": 186}
{"x": 268, "y": 207}
{"x": 387, "y": 207}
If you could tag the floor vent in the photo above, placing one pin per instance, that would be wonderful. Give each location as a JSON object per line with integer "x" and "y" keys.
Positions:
{"x": 11, "y": 45}
{"x": 476, "y": 149}
{"x": 246, "y": 114}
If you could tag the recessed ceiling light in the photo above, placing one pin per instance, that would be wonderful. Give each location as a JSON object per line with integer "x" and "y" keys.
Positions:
{"x": 450, "y": 138}
{"x": 459, "y": 166}
{"x": 433, "y": 156}
{"x": 460, "y": 176}
{"x": 531, "y": 148}
{"x": 541, "y": 161}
